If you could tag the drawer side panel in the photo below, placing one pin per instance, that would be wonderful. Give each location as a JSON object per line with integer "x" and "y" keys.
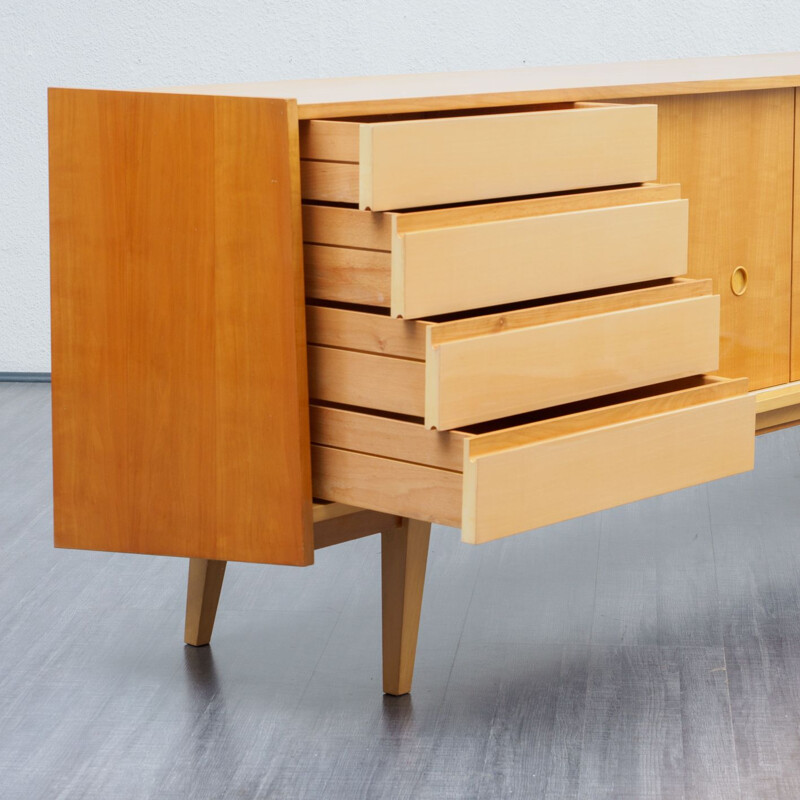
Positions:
{"x": 366, "y": 380}
{"x": 395, "y": 487}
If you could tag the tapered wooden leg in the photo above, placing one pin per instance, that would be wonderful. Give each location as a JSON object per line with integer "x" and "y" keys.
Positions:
{"x": 404, "y": 556}
{"x": 202, "y": 597}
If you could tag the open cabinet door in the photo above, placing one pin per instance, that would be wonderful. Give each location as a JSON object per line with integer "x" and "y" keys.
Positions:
{"x": 180, "y": 400}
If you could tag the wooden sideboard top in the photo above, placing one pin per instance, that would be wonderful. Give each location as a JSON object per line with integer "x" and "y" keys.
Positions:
{"x": 335, "y": 97}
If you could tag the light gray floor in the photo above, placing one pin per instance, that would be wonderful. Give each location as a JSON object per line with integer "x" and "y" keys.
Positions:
{"x": 652, "y": 651}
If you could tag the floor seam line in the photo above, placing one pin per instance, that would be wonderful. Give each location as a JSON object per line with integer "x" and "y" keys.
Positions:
{"x": 724, "y": 652}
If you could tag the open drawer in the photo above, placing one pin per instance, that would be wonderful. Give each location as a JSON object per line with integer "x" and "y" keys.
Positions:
{"x": 513, "y": 475}
{"x": 408, "y": 161}
{"x": 463, "y": 370}
{"x": 453, "y": 259}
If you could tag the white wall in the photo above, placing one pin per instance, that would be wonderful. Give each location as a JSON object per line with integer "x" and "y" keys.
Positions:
{"x": 142, "y": 43}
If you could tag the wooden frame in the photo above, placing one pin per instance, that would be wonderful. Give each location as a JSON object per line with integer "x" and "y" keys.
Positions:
{"x": 777, "y": 408}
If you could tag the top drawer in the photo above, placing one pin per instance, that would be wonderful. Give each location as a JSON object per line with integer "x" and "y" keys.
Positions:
{"x": 394, "y": 163}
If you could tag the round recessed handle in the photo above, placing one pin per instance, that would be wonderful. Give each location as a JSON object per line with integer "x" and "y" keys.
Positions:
{"x": 739, "y": 281}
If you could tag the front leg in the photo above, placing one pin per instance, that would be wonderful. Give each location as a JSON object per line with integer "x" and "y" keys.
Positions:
{"x": 202, "y": 598}
{"x": 404, "y": 557}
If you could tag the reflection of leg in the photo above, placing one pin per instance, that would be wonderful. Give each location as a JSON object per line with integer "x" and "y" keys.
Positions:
{"x": 202, "y": 597}
{"x": 404, "y": 555}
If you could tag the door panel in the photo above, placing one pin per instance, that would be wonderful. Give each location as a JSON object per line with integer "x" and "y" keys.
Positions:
{"x": 732, "y": 153}
{"x": 180, "y": 399}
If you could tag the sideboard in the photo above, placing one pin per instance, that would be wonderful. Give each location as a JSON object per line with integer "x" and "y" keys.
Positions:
{"x": 287, "y": 315}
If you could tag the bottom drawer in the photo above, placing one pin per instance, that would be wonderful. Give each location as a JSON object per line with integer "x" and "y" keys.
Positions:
{"x": 504, "y": 477}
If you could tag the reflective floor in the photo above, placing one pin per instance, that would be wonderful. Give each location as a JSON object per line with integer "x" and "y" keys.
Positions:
{"x": 652, "y": 651}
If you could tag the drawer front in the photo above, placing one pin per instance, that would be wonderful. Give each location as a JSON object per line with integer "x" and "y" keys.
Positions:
{"x": 500, "y": 482}
{"x": 423, "y": 162}
{"x": 486, "y": 368}
{"x": 430, "y": 267}
{"x": 511, "y": 490}
{"x": 453, "y": 269}
{"x": 489, "y": 377}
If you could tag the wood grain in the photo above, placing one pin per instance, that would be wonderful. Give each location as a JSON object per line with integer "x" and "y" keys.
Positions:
{"x": 386, "y": 436}
{"x": 347, "y": 275}
{"x": 488, "y": 377}
{"x": 434, "y": 218}
{"x": 394, "y": 487}
{"x": 202, "y": 599}
{"x": 367, "y": 380}
{"x": 388, "y": 94}
{"x": 436, "y": 262}
{"x": 333, "y": 524}
{"x": 534, "y": 474}
{"x": 466, "y": 327}
{"x": 337, "y": 530}
{"x": 404, "y": 558}
{"x": 179, "y": 378}
{"x": 329, "y": 181}
{"x": 439, "y": 271}
{"x": 405, "y": 440}
{"x": 504, "y": 364}
{"x": 346, "y": 227}
{"x": 646, "y": 402}
{"x": 372, "y": 332}
{"x": 512, "y": 490}
{"x": 366, "y": 331}
{"x": 777, "y": 408}
{"x": 671, "y": 556}
{"x": 350, "y": 227}
{"x": 323, "y": 510}
{"x": 420, "y": 162}
{"x": 778, "y": 397}
{"x": 733, "y": 156}
{"x": 329, "y": 141}
{"x": 670, "y": 703}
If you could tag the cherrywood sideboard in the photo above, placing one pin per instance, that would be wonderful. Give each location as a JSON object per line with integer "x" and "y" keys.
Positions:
{"x": 286, "y": 315}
